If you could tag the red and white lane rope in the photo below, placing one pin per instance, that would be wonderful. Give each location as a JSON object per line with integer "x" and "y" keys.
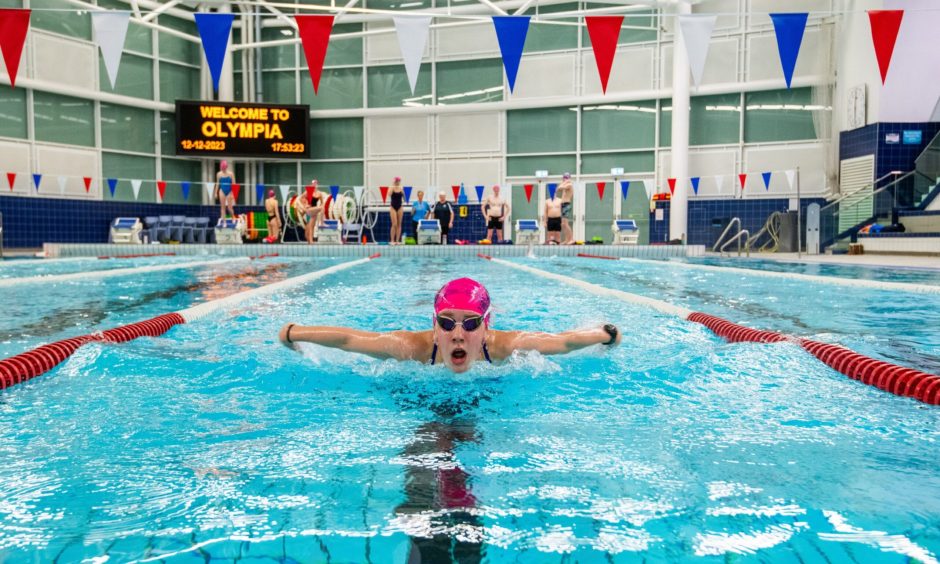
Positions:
{"x": 7, "y": 282}
{"x": 884, "y": 375}
{"x": 40, "y": 360}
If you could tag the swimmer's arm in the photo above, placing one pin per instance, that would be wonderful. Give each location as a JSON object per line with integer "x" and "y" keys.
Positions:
{"x": 400, "y": 345}
{"x": 553, "y": 343}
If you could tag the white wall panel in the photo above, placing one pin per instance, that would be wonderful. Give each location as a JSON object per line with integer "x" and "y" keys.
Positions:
{"x": 413, "y": 173}
{"x": 632, "y": 70}
{"x": 65, "y": 62}
{"x": 540, "y": 76}
{"x": 54, "y": 161}
{"x": 809, "y": 157}
{"x": 383, "y": 47}
{"x": 706, "y": 165}
{"x": 471, "y": 172}
{"x": 463, "y": 41}
{"x": 470, "y": 133}
{"x": 721, "y": 66}
{"x": 764, "y": 59}
{"x": 14, "y": 157}
{"x": 391, "y": 136}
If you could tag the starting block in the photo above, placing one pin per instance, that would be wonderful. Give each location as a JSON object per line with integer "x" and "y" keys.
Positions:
{"x": 626, "y": 232}
{"x": 230, "y": 231}
{"x": 527, "y": 232}
{"x": 126, "y": 231}
{"x": 429, "y": 232}
{"x": 329, "y": 232}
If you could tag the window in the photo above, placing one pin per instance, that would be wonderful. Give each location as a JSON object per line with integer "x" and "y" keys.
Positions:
{"x": 541, "y": 130}
{"x": 63, "y": 119}
{"x": 781, "y": 115}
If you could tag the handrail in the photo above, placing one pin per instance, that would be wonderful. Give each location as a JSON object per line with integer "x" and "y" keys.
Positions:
{"x": 725, "y": 232}
{"x": 866, "y": 187}
{"x": 1, "y": 235}
{"x": 742, "y": 233}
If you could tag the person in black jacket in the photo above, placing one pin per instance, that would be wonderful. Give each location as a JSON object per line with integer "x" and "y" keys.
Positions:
{"x": 444, "y": 213}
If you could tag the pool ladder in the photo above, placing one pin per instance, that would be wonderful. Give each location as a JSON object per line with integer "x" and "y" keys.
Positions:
{"x": 738, "y": 236}
{"x": 1, "y": 236}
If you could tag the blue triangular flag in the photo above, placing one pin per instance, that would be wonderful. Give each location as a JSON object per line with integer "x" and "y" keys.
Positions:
{"x": 624, "y": 186}
{"x": 766, "y": 176}
{"x": 552, "y": 186}
{"x": 259, "y": 193}
{"x": 461, "y": 196}
{"x": 695, "y": 181}
{"x": 225, "y": 185}
{"x": 479, "y": 189}
{"x": 407, "y": 190}
{"x": 214, "y": 29}
{"x": 112, "y": 184}
{"x": 185, "y": 187}
{"x": 789, "y": 29}
{"x": 511, "y": 32}
{"x": 334, "y": 191}
{"x": 37, "y": 178}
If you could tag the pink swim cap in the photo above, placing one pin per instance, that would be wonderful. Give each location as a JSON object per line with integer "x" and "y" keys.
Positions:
{"x": 270, "y": 193}
{"x": 223, "y": 165}
{"x": 463, "y": 293}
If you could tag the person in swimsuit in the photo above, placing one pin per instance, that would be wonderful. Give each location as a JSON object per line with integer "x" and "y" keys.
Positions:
{"x": 274, "y": 218}
{"x": 396, "y": 211}
{"x": 224, "y": 180}
{"x": 313, "y": 215}
{"x": 565, "y": 193}
{"x": 553, "y": 220}
{"x": 461, "y": 334}
{"x": 495, "y": 211}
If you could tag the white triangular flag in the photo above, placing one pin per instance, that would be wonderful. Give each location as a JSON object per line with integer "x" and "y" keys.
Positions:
{"x": 209, "y": 191}
{"x": 358, "y": 191}
{"x": 649, "y": 185}
{"x": 285, "y": 189}
{"x": 719, "y": 183}
{"x": 791, "y": 176}
{"x": 135, "y": 184}
{"x": 696, "y": 34}
{"x": 62, "y": 182}
{"x": 110, "y": 31}
{"x": 412, "y": 37}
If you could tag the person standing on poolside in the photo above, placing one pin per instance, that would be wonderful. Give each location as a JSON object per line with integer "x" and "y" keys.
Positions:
{"x": 396, "y": 211}
{"x": 313, "y": 213}
{"x": 565, "y": 192}
{"x": 553, "y": 220}
{"x": 419, "y": 210}
{"x": 461, "y": 334}
{"x": 224, "y": 179}
{"x": 444, "y": 213}
{"x": 274, "y": 217}
{"x": 495, "y": 211}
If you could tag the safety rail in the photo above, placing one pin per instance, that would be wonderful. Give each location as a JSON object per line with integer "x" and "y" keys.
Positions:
{"x": 1, "y": 235}
{"x": 745, "y": 234}
{"x": 718, "y": 247}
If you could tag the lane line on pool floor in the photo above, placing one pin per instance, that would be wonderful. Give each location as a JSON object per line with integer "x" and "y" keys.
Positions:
{"x": 38, "y": 361}
{"x": 889, "y": 377}
{"x": 835, "y": 280}
{"x": 8, "y": 282}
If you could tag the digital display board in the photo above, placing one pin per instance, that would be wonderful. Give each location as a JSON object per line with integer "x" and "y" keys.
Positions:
{"x": 233, "y": 129}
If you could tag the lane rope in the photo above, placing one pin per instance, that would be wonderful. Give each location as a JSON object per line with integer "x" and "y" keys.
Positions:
{"x": 892, "y": 378}
{"x": 7, "y": 282}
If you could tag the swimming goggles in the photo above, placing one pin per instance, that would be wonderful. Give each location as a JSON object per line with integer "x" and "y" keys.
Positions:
{"x": 469, "y": 324}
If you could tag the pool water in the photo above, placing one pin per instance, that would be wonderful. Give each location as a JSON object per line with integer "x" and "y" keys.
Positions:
{"x": 216, "y": 442}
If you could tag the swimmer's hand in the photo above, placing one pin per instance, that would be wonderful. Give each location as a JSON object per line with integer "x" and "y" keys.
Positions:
{"x": 614, "y": 334}
{"x": 285, "y": 336}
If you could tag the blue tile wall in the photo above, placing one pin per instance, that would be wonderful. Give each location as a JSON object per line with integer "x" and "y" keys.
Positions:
{"x": 470, "y": 228}
{"x": 900, "y": 156}
{"x": 708, "y": 218}
{"x": 858, "y": 142}
{"x": 30, "y": 222}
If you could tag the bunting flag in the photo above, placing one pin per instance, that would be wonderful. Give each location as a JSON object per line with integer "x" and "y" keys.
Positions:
{"x": 624, "y": 186}
{"x": 600, "y": 189}
{"x": 719, "y": 183}
{"x": 511, "y": 32}
{"x": 528, "y": 192}
{"x": 14, "y": 24}
{"x": 112, "y": 184}
{"x": 87, "y": 180}
{"x": 672, "y": 185}
{"x": 110, "y": 32}
{"x": 697, "y": 34}
{"x": 384, "y": 191}
{"x": 37, "y": 178}
{"x": 225, "y": 185}
{"x": 695, "y": 180}
{"x": 236, "y": 188}
{"x": 334, "y": 191}
{"x": 63, "y": 180}
{"x": 259, "y": 193}
{"x": 135, "y": 186}
{"x": 462, "y": 198}
{"x": 358, "y": 190}
{"x": 11, "y": 178}
{"x": 210, "y": 191}
{"x": 214, "y": 29}
{"x": 766, "y": 176}
{"x": 311, "y": 189}
{"x": 185, "y": 189}
{"x": 161, "y": 189}
{"x": 649, "y": 186}
{"x": 407, "y": 190}
{"x": 552, "y": 186}
{"x": 479, "y": 189}
{"x": 284, "y": 188}
{"x": 742, "y": 178}
{"x": 456, "y": 191}
{"x": 314, "y": 33}
{"x": 791, "y": 176}
{"x": 604, "y": 32}
{"x": 885, "y": 25}
{"x": 789, "y": 29}
{"x": 412, "y": 37}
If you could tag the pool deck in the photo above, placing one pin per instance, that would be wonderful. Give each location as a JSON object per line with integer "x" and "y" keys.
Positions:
{"x": 875, "y": 261}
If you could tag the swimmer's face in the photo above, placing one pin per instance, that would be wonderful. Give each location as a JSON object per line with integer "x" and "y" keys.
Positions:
{"x": 459, "y": 348}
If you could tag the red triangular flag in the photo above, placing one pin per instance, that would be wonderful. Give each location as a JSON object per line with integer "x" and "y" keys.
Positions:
{"x": 384, "y": 191}
{"x": 235, "y": 189}
{"x": 604, "y": 32}
{"x": 742, "y": 178}
{"x": 456, "y": 191}
{"x": 87, "y": 180}
{"x": 528, "y": 192}
{"x": 13, "y": 27}
{"x": 672, "y": 186}
{"x": 884, "y": 32}
{"x": 161, "y": 188}
{"x": 314, "y": 33}
{"x": 600, "y": 189}
{"x": 11, "y": 178}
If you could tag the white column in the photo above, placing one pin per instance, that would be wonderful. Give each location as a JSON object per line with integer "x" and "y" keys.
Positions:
{"x": 227, "y": 78}
{"x": 679, "y": 208}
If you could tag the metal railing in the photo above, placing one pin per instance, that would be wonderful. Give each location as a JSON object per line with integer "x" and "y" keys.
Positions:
{"x": 719, "y": 247}
{"x": 744, "y": 235}
{"x": 1, "y": 235}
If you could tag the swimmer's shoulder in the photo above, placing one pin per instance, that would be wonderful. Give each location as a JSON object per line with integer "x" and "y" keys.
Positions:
{"x": 416, "y": 345}
{"x": 501, "y": 344}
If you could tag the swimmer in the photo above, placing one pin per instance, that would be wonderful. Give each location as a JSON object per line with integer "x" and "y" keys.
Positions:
{"x": 495, "y": 210}
{"x": 395, "y": 211}
{"x": 553, "y": 220}
{"x": 274, "y": 217}
{"x": 225, "y": 178}
{"x": 460, "y": 337}
{"x": 566, "y": 194}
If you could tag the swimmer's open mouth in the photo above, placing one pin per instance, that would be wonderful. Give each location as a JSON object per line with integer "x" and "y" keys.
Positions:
{"x": 458, "y": 355}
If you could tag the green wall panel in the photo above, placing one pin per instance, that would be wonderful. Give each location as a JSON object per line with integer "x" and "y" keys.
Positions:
{"x": 551, "y": 37}
{"x": 781, "y": 115}
{"x": 279, "y": 87}
{"x": 176, "y": 48}
{"x": 13, "y": 113}
{"x": 388, "y": 87}
{"x": 344, "y": 174}
{"x": 618, "y": 126}
{"x": 127, "y": 129}
{"x": 175, "y": 171}
{"x": 714, "y": 120}
{"x": 135, "y": 77}
{"x": 467, "y": 82}
{"x": 63, "y": 119}
{"x": 526, "y": 166}
{"x": 541, "y": 130}
{"x": 339, "y": 89}
{"x": 340, "y": 138}
{"x": 125, "y": 168}
{"x": 59, "y": 16}
{"x": 178, "y": 82}
{"x": 342, "y": 51}
{"x": 601, "y": 163}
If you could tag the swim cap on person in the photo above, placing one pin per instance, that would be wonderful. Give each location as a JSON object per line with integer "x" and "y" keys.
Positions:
{"x": 270, "y": 193}
{"x": 566, "y": 175}
{"x": 463, "y": 293}
{"x": 223, "y": 165}
{"x": 397, "y": 179}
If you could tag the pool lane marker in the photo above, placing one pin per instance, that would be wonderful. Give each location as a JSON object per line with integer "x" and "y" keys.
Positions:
{"x": 884, "y": 375}
{"x": 7, "y": 282}
{"x": 40, "y": 360}
{"x": 836, "y": 280}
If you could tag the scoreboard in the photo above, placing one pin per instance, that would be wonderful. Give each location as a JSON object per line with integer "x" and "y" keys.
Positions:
{"x": 235, "y": 129}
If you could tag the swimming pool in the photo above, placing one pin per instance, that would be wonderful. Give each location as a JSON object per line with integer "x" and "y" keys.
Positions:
{"x": 213, "y": 441}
